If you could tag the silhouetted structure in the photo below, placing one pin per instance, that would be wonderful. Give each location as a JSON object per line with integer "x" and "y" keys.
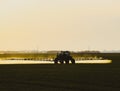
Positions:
{"x": 64, "y": 56}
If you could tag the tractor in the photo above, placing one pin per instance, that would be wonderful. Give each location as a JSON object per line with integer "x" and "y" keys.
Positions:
{"x": 64, "y": 57}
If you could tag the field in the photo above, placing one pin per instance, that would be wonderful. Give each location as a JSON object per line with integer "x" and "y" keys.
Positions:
{"x": 60, "y": 77}
{"x": 50, "y": 77}
{"x": 49, "y": 56}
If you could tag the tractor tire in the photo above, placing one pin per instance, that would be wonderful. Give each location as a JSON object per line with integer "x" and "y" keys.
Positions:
{"x": 66, "y": 61}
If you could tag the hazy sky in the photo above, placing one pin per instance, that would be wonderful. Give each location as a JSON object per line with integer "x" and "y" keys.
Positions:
{"x": 60, "y": 25}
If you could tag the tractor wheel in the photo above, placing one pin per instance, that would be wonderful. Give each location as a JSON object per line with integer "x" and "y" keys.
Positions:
{"x": 67, "y": 61}
{"x": 72, "y": 61}
{"x": 55, "y": 61}
{"x": 61, "y": 62}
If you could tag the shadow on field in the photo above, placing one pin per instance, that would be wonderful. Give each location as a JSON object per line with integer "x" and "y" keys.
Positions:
{"x": 50, "y": 77}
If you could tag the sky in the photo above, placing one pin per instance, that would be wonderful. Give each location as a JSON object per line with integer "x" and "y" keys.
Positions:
{"x": 59, "y": 25}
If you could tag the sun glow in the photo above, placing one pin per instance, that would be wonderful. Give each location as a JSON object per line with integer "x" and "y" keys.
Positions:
{"x": 51, "y": 62}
